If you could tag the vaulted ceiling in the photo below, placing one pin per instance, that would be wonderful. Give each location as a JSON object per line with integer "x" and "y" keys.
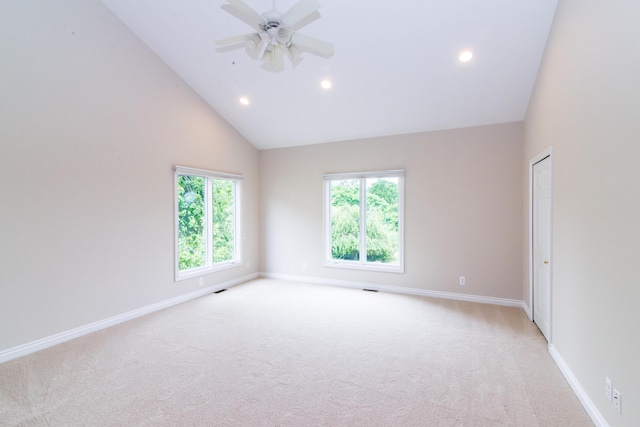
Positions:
{"x": 395, "y": 69}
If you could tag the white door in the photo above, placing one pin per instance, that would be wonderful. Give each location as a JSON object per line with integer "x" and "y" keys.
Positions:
{"x": 541, "y": 210}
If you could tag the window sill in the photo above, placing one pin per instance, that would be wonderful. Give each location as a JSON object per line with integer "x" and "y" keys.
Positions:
{"x": 366, "y": 267}
{"x": 196, "y": 272}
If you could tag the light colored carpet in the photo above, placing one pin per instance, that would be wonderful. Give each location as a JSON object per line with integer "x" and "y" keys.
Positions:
{"x": 274, "y": 353}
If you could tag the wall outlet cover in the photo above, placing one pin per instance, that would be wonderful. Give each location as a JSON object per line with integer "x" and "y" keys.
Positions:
{"x": 617, "y": 401}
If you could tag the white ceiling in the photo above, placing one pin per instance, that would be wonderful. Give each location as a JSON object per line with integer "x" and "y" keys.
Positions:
{"x": 394, "y": 71}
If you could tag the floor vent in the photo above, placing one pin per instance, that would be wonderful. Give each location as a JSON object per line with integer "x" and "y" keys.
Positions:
{"x": 221, "y": 290}
{"x": 370, "y": 290}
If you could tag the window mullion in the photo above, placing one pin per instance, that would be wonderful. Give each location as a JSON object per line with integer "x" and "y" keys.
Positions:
{"x": 209, "y": 220}
{"x": 235, "y": 227}
{"x": 327, "y": 222}
{"x": 363, "y": 221}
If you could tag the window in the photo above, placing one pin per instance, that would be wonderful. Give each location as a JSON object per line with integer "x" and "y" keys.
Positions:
{"x": 369, "y": 201}
{"x": 207, "y": 221}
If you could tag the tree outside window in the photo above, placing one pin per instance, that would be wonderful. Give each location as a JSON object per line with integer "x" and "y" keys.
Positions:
{"x": 207, "y": 221}
{"x": 368, "y": 202}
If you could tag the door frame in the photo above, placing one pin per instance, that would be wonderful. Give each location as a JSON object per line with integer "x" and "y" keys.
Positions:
{"x": 547, "y": 152}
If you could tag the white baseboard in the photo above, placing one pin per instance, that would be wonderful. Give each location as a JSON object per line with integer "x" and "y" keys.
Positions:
{"x": 397, "y": 289}
{"x": 582, "y": 395}
{"x": 41, "y": 344}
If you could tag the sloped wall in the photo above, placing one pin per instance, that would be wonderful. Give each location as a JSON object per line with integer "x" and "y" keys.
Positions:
{"x": 91, "y": 125}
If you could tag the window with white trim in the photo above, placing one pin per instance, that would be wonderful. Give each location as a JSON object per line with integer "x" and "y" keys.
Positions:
{"x": 364, "y": 225}
{"x": 208, "y": 219}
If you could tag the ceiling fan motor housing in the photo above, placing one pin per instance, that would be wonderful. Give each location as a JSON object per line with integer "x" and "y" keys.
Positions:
{"x": 274, "y": 28}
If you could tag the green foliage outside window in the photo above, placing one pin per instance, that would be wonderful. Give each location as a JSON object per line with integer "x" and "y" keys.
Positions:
{"x": 191, "y": 221}
{"x": 223, "y": 220}
{"x": 381, "y": 219}
{"x": 191, "y": 232}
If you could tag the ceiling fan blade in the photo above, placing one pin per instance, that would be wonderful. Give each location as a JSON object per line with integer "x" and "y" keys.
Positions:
{"x": 306, "y": 21}
{"x": 299, "y": 11}
{"x": 229, "y": 48}
{"x": 312, "y": 45}
{"x": 240, "y": 10}
{"x": 232, "y": 40}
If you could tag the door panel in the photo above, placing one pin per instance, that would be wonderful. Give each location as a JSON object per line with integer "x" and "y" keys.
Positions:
{"x": 542, "y": 245}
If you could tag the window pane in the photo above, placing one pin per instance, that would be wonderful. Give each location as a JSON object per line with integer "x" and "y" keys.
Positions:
{"x": 223, "y": 220}
{"x": 345, "y": 219}
{"x": 191, "y": 217}
{"x": 382, "y": 220}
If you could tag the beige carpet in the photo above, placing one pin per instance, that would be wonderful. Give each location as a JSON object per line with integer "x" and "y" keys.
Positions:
{"x": 273, "y": 353}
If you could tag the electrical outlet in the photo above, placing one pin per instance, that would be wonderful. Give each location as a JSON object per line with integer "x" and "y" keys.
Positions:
{"x": 201, "y": 282}
{"x": 617, "y": 401}
{"x": 463, "y": 281}
{"x": 607, "y": 388}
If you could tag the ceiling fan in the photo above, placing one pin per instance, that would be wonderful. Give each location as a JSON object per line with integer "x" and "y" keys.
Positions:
{"x": 276, "y": 34}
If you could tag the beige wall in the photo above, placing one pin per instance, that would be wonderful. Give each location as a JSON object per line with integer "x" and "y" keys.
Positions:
{"x": 463, "y": 205}
{"x": 91, "y": 124}
{"x": 586, "y": 103}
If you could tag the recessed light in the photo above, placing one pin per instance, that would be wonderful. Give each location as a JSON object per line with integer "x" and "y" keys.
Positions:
{"x": 326, "y": 84}
{"x": 244, "y": 101}
{"x": 465, "y": 56}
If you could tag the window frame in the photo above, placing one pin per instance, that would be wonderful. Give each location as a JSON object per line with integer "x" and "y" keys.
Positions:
{"x": 362, "y": 263}
{"x": 209, "y": 266}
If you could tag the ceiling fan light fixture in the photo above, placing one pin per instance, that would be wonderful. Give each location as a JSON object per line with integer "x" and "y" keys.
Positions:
{"x": 273, "y": 59}
{"x": 252, "y": 45}
{"x": 284, "y": 35}
{"x": 294, "y": 53}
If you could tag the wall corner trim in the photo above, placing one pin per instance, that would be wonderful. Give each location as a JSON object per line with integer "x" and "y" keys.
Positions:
{"x": 527, "y": 310}
{"x": 41, "y": 344}
{"x": 582, "y": 395}
{"x": 396, "y": 289}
